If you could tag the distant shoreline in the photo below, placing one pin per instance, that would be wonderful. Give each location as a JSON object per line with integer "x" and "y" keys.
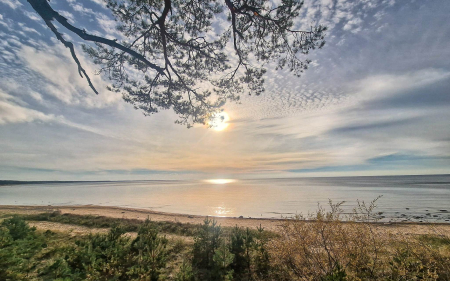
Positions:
{"x": 18, "y": 182}
{"x": 413, "y": 228}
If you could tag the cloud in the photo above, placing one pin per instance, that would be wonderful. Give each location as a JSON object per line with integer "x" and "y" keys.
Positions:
{"x": 81, "y": 9}
{"x": 28, "y": 29}
{"x": 384, "y": 85}
{"x": 32, "y": 16}
{"x": 60, "y": 78}
{"x": 371, "y": 121}
{"x": 13, "y": 4}
{"x": 10, "y": 112}
{"x": 68, "y": 16}
{"x": 375, "y": 100}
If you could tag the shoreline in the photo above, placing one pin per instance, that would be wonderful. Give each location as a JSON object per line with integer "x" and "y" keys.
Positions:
{"x": 138, "y": 213}
{"x": 142, "y": 214}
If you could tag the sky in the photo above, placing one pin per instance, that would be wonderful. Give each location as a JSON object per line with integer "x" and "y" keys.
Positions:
{"x": 374, "y": 101}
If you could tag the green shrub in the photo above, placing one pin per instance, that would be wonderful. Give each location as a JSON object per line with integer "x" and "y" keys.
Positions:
{"x": 206, "y": 242}
{"x": 410, "y": 263}
{"x": 113, "y": 256}
{"x": 17, "y": 227}
{"x": 185, "y": 273}
{"x": 222, "y": 258}
{"x": 242, "y": 244}
{"x": 19, "y": 245}
{"x": 338, "y": 274}
{"x": 262, "y": 258}
{"x": 149, "y": 253}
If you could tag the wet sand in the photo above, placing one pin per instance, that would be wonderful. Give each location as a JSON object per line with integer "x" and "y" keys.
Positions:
{"x": 268, "y": 224}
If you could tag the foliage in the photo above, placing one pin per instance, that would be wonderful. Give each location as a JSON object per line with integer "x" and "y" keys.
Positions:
{"x": 17, "y": 228}
{"x": 262, "y": 258}
{"x": 238, "y": 254}
{"x": 241, "y": 246}
{"x": 331, "y": 247}
{"x": 353, "y": 247}
{"x": 338, "y": 274}
{"x": 192, "y": 56}
{"x": 18, "y": 246}
{"x": 185, "y": 272}
{"x": 129, "y": 225}
{"x": 113, "y": 256}
{"x": 206, "y": 242}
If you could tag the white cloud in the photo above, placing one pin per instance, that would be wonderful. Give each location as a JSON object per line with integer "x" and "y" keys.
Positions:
{"x": 108, "y": 25}
{"x": 67, "y": 15}
{"x": 2, "y": 22}
{"x": 13, "y": 4}
{"x": 32, "y": 16}
{"x": 61, "y": 79}
{"x": 377, "y": 86}
{"x": 27, "y": 29}
{"x": 100, "y": 2}
{"x": 81, "y": 9}
{"x": 10, "y": 112}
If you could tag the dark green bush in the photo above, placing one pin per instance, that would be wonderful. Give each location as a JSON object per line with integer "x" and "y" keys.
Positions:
{"x": 206, "y": 242}
{"x": 18, "y": 246}
{"x": 113, "y": 256}
{"x": 239, "y": 254}
{"x": 185, "y": 272}
{"x": 241, "y": 246}
{"x": 17, "y": 227}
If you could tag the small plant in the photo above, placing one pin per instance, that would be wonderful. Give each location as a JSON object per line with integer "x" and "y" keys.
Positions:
{"x": 262, "y": 259}
{"x": 149, "y": 252}
{"x": 17, "y": 227}
{"x": 206, "y": 242}
{"x": 222, "y": 260}
{"x": 338, "y": 274}
{"x": 19, "y": 245}
{"x": 241, "y": 246}
{"x": 185, "y": 273}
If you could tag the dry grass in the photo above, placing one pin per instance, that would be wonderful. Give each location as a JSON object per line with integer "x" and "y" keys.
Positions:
{"x": 337, "y": 247}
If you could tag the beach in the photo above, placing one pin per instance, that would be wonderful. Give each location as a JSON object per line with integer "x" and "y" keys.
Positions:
{"x": 407, "y": 228}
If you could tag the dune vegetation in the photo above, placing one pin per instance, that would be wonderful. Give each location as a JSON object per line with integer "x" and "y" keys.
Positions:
{"x": 325, "y": 245}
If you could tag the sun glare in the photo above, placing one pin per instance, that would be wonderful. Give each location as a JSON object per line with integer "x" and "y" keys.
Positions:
{"x": 219, "y": 121}
{"x": 220, "y": 181}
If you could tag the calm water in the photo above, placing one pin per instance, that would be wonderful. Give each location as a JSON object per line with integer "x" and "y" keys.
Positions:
{"x": 426, "y": 197}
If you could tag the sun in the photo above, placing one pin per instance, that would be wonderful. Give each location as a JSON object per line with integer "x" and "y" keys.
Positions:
{"x": 219, "y": 121}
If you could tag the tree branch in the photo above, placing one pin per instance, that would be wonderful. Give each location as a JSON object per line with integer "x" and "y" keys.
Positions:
{"x": 48, "y": 14}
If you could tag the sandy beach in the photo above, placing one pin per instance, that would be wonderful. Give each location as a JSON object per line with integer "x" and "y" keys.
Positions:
{"x": 268, "y": 224}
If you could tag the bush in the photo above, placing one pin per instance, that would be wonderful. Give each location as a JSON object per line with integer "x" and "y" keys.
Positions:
{"x": 18, "y": 246}
{"x": 17, "y": 227}
{"x": 206, "y": 242}
{"x": 239, "y": 254}
{"x": 352, "y": 247}
{"x": 241, "y": 246}
{"x": 185, "y": 272}
{"x": 114, "y": 257}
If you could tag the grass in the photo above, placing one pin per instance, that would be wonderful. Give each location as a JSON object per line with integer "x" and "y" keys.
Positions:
{"x": 129, "y": 225}
{"x": 322, "y": 246}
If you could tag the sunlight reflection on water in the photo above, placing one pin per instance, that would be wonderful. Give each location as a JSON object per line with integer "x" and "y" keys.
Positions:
{"x": 222, "y": 211}
{"x": 220, "y": 181}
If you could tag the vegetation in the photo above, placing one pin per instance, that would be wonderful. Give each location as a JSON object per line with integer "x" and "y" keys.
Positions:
{"x": 128, "y": 225}
{"x": 191, "y": 56}
{"x": 332, "y": 247}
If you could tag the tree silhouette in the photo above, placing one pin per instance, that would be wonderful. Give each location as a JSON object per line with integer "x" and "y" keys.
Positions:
{"x": 192, "y": 55}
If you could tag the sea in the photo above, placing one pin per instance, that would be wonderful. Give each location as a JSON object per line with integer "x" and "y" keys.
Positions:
{"x": 423, "y": 198}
